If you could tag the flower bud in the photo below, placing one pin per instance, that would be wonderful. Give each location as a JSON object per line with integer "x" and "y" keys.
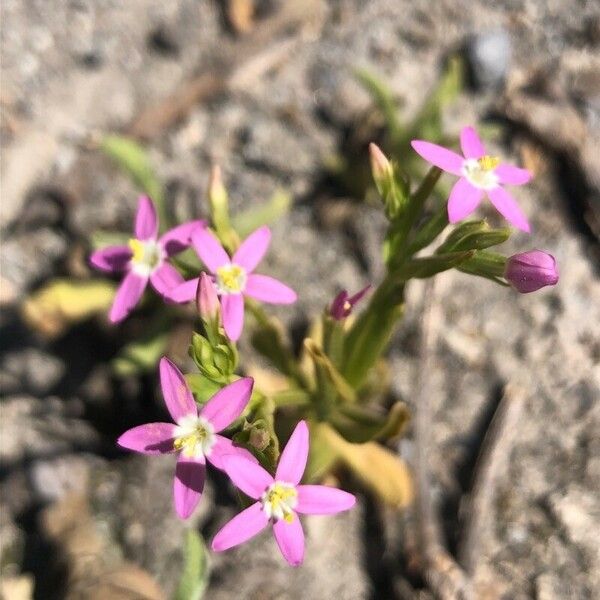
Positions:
{"x": 380, "y": 166}
{"x": 342, "y": 304}
{"x": 207, "y": 300}
{"x": 530, "y": 271}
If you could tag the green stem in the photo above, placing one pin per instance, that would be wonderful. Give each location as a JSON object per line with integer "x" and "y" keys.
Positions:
{"x": 372, "y": 331}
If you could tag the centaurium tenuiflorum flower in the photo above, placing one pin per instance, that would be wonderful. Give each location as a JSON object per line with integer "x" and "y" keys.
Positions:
{"x": 479, "y": 174}
{"x": 529, "y": 271}
{"x": 234, "y": 277}
{"x": 279, "y": 500}
{"x": 194, "y": 433}
{"x": 144, "y": 259}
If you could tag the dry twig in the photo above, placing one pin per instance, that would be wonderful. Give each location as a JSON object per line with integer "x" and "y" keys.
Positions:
{"x": 490, "y": 467}
{"x": 444, "y": 576}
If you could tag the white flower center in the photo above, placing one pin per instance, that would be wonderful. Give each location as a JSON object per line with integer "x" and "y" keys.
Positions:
{"x": 147, "y": 256}
{"x": 231, "y": 279}
{"x": 194, "y": 437}
{"x": 480, "y": 172}
{"x": 279, "y": 501}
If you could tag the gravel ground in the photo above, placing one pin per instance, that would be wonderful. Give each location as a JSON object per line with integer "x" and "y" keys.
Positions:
{"x": 70, "y": 69}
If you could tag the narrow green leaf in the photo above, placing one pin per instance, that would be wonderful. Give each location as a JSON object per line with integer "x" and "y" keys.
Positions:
{"x": 420, "y": 268}
{"x": 142, "y": 355}
{"x": 194, "y": 579}
{"x": 134, "y": 161}
{"x": 249, "y": 220}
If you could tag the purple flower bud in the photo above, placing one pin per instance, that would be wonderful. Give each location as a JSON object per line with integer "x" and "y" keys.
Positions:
{"x": 530, "y": 271}
{"x": 342, "y": 304}
{"x": 206, "y": 298}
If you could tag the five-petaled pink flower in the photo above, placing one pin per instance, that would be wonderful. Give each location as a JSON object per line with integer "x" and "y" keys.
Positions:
{"x": 144, "y": 258}
{"x": 279, "y": 499}
{"x": 479, "y": 174}
{"x": 194, "y": 434}
{"x": 234, "y": 277}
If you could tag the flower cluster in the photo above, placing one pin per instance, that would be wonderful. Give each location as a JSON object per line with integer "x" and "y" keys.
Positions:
{"x": 481, "y": 174}
{"x": 203, "y": 430}
{"x": 195, "y": 435}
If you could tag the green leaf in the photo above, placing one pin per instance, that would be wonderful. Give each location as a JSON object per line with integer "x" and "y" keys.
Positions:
{"x": 134, "y": 161}
{"x": 249, "y": 220}
{"x": 102, "y": 239}
{"x": 421, "y": 268}
{"x": 384, "y": 99}
{"x": 473, "y": 235}
{"x": 142, "y": 355}
{"x": 194, "y": 579}
{"x": 359, "y": 424}
{"x": 202, "y": 387}
{"x": 429, "y": 231}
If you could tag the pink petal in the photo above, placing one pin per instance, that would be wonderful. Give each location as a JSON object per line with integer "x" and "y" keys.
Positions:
{"x": 511, "y": 175}
{"x": 151, "y": 438}
{"x": 232, "y": 306}
{"x": 225, "y": 447}
{"x": 241, "y": 528}
{"x": 290, "y": 539}
{"x": 464, "y": 199}
{"x": 209, "y": 249}
{"x": 228, "y": 403}
{"x": 185, "y": 292}
{"x": 166, "y": 278}
{"x": 323, "y": 500}
{"x": 440, "y": 157}
{"x": 506, "y": 205}
{"x": 146, "y": 221}
{"x": 127, "y": 296}
{"x": 188, "y": 485}
{"x": 179, "y": 238}
{"x": 267, "y": 289}
{"x": 112, "y": 259}
{"x": 248, "y": 476}
{"x": 292, "y": 461}
{"x": 253, "y": 248}
{"x": 470, "y": 143}
{"x": 177, "y": 395}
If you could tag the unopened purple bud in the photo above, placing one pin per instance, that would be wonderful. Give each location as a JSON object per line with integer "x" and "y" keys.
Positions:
{"x": 342, "y": 304}
{"x": 530, "y": 271}
{"x": 207, "y": 300}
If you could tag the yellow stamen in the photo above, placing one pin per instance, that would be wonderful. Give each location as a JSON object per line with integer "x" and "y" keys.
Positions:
{"x": 289, "y": 517}
{"x": 230, "y": 277}
{"x": 137, "y": 248}
{"x": 488, "y": 163}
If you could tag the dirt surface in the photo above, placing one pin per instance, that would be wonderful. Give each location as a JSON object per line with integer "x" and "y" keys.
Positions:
{"x": 285, "y": 99}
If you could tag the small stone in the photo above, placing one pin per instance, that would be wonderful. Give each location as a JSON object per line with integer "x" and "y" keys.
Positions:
{"x": 31, "y": 369}
{"x": 53, "y": 479}
{"x": 488, "y": 56}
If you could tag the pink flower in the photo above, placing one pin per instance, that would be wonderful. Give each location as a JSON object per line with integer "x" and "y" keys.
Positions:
{"x": 529, "y": 271}
{"x": 342, "y": 304}
{"x": 144, "y": 259}
{"x": 195, "y": 434}
{"x": 279, "y": 499}
{"x": 479, "y": 174}
{"x": 235, "y": 277}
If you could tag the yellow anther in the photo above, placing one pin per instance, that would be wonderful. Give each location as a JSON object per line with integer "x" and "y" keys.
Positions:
{"x": 137, "y": 248}
{"x": 488, "y": 163}
{"x": 289, "y": 517}
{"x": 347, "y": 305}
{"x": 231, "y": 277}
